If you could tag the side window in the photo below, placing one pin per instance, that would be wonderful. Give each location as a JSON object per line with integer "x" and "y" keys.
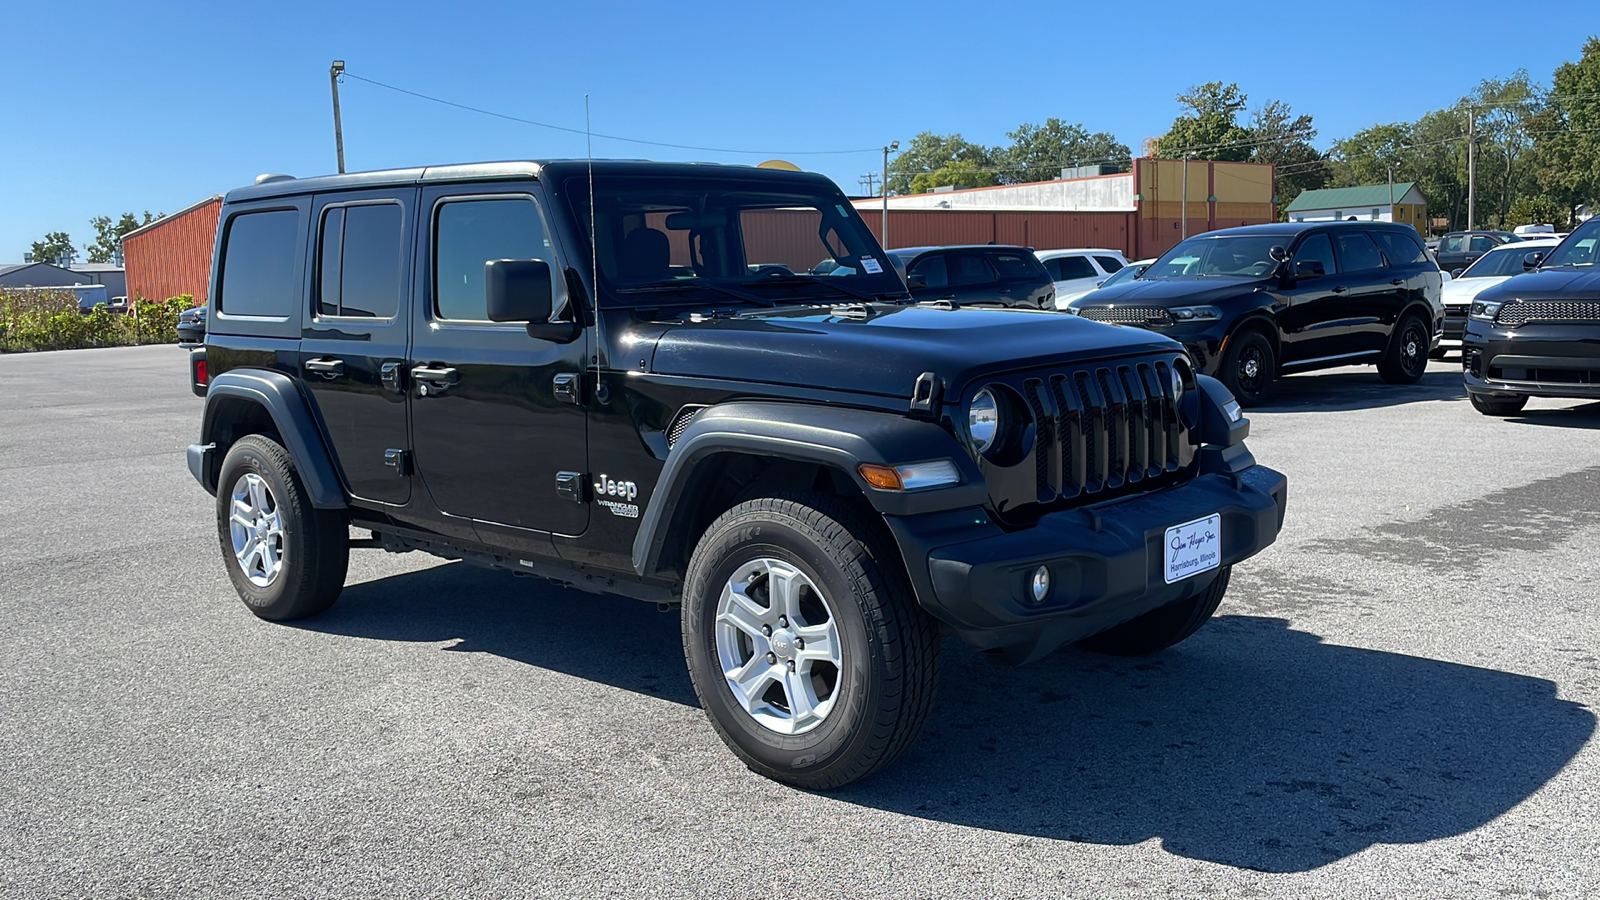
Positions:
{"x": 258, "y": 263}
{"x": 1108, "y": 264}
{"x": 470, "y": 233}
{"x": 1070, "y": 267}
{"x": 1402, "y": 247}
{"x": 1452, "y": 243}
{"x": 1014, "y": 267}
{"x": 1358, "y": 253}
{"x": 1482, "y": 243}
{"x": 1317, "y": 247}
{"x": 971, "y": 268}
{"x": 931, "y": 268}
{"x": 359, "y": 261}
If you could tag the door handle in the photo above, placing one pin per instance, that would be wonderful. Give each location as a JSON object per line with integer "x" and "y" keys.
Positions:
{"x": 434, "y": 379}
{"x": 1005, "y": 290}
{"x": 327, "y": 368}
{"x": 1338, "y": 290}
{"x": 1398, "y": 281}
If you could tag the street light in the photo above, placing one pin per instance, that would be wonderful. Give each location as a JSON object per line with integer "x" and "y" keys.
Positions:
{"x": 334, "y": 71}
{"x": 893, "y": 145}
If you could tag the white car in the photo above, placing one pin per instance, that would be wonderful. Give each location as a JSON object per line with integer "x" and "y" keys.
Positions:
{"x": 1077, "y": 272}
{"x": 1493, "y": 267}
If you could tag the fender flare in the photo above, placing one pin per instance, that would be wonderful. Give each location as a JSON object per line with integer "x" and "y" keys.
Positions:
{"x": 834, "y": 437}
{"x": 277, "y": 394}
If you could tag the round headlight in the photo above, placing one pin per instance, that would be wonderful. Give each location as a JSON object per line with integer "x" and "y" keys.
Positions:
{"x": 983, "y": 420}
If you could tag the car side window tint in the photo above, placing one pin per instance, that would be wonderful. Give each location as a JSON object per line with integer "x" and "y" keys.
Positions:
{"x": 1070, "y": 267}
{"x": 1451, "y": 243}
{"x": 1014, "y": 266}
{"x": 1317, "y": 247}
{"x": 470, "y": 233}
{"x": 1357, "y": 252}
{"x": 971, "y": 268}
{"x": 933, "y": 269}
{"x": 258, "y": 264}
{"x": 360, "y": 260}
{"x": 1402, "y": 249}
{"x": 1109, "y": 263}
{"x": 1483, "y": 243}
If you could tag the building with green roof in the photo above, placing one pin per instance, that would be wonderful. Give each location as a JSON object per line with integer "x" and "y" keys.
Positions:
{"x": 1401, "y": 202}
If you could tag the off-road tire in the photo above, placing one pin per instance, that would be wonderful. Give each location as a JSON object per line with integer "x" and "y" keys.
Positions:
{"x": 1398, "y": 366}
{"x": 889, "y": 645}
{"x": 1243, "y": 348}
{"x": 316, "y": 541}
{"x": 1498, "y": 406}
{"x": 1161, "y": 628}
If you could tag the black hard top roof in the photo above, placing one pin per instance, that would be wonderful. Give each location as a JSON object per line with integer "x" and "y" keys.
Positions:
{"x": 555, "y": 169}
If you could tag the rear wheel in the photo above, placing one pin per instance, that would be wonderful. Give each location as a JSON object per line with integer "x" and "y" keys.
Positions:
{"x": 1406, "y": 360}
{"x": 1498, "y": 406}
{"x": 287, "y": 559}
{"x": 1249, "y": 367}
{"x": 806, "y": 648}
{"x": 1161, "y": 628}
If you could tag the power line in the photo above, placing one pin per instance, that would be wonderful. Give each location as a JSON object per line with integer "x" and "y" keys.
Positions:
{"x": 609, "y": 137}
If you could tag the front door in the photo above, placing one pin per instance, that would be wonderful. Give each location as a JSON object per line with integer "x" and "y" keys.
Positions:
{"x": 491, "y": 430}
{"x": 1313, "y": 324}
{"x": 355, "y": 337}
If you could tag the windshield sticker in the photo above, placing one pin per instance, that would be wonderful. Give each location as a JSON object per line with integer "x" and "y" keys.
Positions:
{"x": 870, "y": 265}
{"x": 842, "y": 213}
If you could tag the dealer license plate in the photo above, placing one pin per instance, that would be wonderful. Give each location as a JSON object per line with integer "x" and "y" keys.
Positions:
{"x": 1194, "y": 547}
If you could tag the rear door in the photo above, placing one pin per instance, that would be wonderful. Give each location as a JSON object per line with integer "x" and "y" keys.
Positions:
{"x": 497, "y": 420}
{"x": 1072, "y": 274}
{"x": 353, "y": 348}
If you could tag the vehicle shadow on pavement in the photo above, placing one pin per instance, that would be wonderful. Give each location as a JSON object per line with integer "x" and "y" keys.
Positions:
{"x": 1251, "y": 745}
{"x": 1585, "y": 416}
{"x": 1358, "y": 389}
{"x": 610, "y": 640}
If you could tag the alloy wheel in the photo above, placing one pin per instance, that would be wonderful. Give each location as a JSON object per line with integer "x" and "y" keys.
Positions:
{"x": 778, "y": 645}
{"x": 256, "y": 525}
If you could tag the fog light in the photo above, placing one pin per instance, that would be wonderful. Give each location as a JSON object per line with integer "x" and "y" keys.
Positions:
{"x": 1041, "y": 584}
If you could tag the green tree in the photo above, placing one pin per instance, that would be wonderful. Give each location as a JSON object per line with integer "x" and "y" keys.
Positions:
{"x": 957, "y": 174}
{"x": 1367, "y": 156}
{"x": 927, "y": 153}
{"x": 55, "y": 247}
{"x": 108, "y": 234}
{"x": 1210, "y": 128}
{"x": 1567, "y": 133}
{"x": 1283, "y": 139}
{"x": 1506, "y": 168}
{"x": 1040, "y": 152}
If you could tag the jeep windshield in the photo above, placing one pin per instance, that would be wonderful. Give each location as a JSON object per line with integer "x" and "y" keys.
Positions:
{"x": 1223, "y": 256}
{"x": 671, "y": 240}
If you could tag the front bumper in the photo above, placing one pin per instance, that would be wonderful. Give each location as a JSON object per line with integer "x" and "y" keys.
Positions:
{"x": 1533, "y": 360}
{"x": 1106, "y": 561}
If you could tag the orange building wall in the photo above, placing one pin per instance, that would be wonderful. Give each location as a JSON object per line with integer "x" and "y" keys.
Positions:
{"x": 174, "y": 257}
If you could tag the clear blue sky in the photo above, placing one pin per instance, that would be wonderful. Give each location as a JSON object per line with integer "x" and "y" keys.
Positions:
{"x": 132, "y": 106}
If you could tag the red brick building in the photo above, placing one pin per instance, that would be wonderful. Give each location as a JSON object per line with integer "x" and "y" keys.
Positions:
{"x": 172, "y": 255}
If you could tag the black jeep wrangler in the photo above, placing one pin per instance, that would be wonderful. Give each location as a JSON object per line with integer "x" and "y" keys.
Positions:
{"x": 616, "y": 376}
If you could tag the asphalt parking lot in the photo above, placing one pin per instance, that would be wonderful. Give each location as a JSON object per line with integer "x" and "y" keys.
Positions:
{"x": 1394, "y": 701}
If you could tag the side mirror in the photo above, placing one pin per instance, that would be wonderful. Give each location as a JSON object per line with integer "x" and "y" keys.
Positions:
{"x": 518, "y": 290}
{"x": 916, "y": 281}
{"x": 1142, "y": 270}
{"x": 1310, "y": 268}
{"x": 1278, "y": 254}
{"x": 1456, "y": 273}
{"x": 1532, "y": 260}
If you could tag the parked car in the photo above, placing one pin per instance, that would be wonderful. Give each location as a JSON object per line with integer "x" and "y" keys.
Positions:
{"x": 1460, "y": 249}
{"x": 1077, "y": 272}
{"x": 983, "y": 275}
{"x": 824, "y": 478}
{"x": 1126, "y": 273}
{"x": 1250, "y": 303}
{"x": 192, "y": 327}
{"x": 1494, "y": 267}
{"x": 1538, "y": 334}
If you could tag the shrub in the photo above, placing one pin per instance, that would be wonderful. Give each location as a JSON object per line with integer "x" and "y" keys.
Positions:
{"x": 34, "y": 319}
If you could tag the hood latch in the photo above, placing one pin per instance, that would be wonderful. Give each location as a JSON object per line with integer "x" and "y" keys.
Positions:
{"x": 926, "y": 394}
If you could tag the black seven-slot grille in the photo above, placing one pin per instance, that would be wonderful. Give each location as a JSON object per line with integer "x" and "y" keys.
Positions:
{"x": 1127, "y": 315}
{"x": 1522, "y": 312}
{"x": 1100, "y": 429}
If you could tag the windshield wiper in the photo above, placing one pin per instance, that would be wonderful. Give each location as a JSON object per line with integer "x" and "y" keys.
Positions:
{"x": 822, "y": 280}
{"x": 676, "y": 285}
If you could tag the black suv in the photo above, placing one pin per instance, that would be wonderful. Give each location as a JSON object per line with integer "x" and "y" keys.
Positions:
{"x": 824, "y": 475}
{"x": 1538, "y": 334}
{"x": 986, "y": 275}
{"x": 1250, "y": 303}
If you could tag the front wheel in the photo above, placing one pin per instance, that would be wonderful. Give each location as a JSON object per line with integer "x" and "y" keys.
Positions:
{"x": 806, "y": 647}
{"x": 1161, "y": 628}
{"x": 1249, "y": 367}
{"x": 1406, "y": 360}
{"x": 1498, "y": 406}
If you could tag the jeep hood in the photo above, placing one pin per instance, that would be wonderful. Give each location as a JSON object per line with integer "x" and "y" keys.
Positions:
{"x": 882, "y": 349}
{"x": 1562, "y": 283}
{"x": 1186, "y": 292}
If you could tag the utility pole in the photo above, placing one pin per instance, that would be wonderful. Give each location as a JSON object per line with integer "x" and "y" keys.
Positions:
{"x": 868, "y": 183}
{"x": 338, "y": 128}
{"x": 1472, "y": 166}
{"x": 893, "y": 145}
